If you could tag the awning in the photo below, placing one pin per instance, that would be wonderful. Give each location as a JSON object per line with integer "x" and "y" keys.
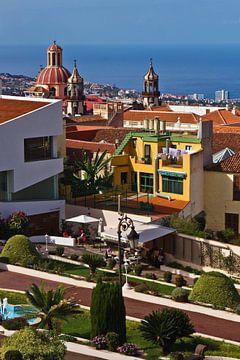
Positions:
{"x": 82, "y": 219}
{"x": 172, "y": 173}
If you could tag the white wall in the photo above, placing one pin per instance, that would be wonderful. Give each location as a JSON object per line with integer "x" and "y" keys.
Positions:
{"x": 199, "y": 110}
{"x": 33, "y": 207}
{"x": 45, "y": 121}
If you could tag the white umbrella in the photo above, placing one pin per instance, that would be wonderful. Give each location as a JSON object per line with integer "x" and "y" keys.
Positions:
{"x": 83, "y": 219}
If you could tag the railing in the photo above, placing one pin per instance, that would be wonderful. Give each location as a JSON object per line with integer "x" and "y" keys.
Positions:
{"x": 143, "y": 160}
{"x": 173, "y": 162}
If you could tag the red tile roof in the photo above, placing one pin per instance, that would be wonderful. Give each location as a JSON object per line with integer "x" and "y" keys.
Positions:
{"x": 226, "y": 136}
{"x": 140, "y": 115}
{"x": 90, "y": 146}
{"x": 222, "y": 117}
{"x": 229, "y": 165}
{"x": 11, "y": 108}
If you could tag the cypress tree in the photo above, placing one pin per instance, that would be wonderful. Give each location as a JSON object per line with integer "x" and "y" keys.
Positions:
{"x": 108, "y": 311}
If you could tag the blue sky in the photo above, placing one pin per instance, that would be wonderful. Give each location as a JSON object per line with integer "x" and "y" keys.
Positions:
{"x": 119, "y": 21}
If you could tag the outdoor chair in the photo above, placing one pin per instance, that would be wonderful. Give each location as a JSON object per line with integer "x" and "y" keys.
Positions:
{"x": 198, "y": 354}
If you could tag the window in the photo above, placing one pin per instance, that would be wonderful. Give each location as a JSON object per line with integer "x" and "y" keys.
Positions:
{"x": 231, "y": 222}
{"x": 188, "y": 147}
{"x": 146, "y": 183}
{"x": 124, "y": 178}
{"x": 38, "y": 148}
{"x": 173, "y": 185}
{"x": 147, "y": 154}
{"x": 173, "y": 146}
{"x": 236, "y": 187}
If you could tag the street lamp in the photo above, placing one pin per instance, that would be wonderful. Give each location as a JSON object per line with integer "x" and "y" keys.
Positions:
{"x": 124, "y": 224}
{"x": 126, "y": 286}
{"x": 46, "y": 239}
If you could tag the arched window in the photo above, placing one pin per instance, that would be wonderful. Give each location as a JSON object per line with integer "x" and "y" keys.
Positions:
{"x": 53, "y": 59}
{"x": 52, "y": 91}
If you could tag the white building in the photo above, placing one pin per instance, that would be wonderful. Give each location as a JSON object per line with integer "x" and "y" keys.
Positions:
{"x": 30, "y": 160}
{"x": 221, "y": 95}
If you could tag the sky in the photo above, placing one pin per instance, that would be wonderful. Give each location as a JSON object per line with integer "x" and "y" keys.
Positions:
{"x": 26, "y": 22}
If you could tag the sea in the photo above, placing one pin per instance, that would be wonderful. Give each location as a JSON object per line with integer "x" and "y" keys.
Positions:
{"x": 182, "y": 69}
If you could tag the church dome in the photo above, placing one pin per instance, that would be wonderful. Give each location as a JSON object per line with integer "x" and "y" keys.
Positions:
{"x": 151, "y": 75}
{"x": 54, "y": 47}
{"x": 53, "y": 75}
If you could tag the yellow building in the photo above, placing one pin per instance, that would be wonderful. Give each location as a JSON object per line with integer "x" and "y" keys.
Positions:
{"x": 165, "y": 164}
{"x": 222, "y": 194}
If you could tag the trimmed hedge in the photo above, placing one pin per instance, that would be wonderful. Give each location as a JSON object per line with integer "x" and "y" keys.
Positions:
{"x": 20, "y": 250}
{"x": 217, "y": 289}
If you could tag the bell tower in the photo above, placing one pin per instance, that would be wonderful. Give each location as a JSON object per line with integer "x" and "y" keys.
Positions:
{"x": 75, "y": 93}
{"x": 150, "y": 88}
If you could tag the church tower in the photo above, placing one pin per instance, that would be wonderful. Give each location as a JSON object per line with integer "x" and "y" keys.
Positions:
{"x": 150, "y": 88}
{"x": 53, "y": 78}
{"x": 75, "y": 95}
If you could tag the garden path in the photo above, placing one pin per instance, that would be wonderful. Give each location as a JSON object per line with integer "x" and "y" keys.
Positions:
{"x": 222, "y": 328}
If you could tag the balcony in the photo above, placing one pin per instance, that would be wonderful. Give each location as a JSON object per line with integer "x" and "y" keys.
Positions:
{"x": 120, "y": 160}
{"x": 143, "y": 160}
{"x": 173, "y": 162}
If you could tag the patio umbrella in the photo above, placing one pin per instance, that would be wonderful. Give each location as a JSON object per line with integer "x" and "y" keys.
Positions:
{"x": 82, "y": 219}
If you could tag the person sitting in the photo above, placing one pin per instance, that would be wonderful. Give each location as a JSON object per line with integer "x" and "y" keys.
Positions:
{"x": 161, "y": 257}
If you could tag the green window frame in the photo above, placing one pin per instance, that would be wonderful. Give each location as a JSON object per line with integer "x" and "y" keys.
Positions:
{"x": 172, "y": 185}
{"x": 146, "y": 183}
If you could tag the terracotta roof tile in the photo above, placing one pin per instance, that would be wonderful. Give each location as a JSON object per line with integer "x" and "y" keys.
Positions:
{"x": 11, "y": 108}
{"x": 226, "y": 136}
{"x": 229, "y": 165}
{"x": 140, "y": 115}
{"x": 222, "y": 117}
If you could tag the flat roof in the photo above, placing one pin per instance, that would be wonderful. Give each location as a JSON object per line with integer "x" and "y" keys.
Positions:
{"x": 12, "y": 108}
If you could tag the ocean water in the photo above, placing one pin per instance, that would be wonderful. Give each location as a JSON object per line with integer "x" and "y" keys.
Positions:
{"x": 182, "y": 69}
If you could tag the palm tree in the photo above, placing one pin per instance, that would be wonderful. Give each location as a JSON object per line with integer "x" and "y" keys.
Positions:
{"x": 51, "y": 305}
{"x": 93, "y": 261}
{"x": 91, "y": 167}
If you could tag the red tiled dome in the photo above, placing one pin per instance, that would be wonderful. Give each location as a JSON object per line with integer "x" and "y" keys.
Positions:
{"x": 53, "y": 75}
{"x": 54, "y": 47}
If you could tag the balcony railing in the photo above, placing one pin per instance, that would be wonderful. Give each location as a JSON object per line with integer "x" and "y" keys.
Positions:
{"x": 143, "y": 160}
{"x": 173, "y": 162}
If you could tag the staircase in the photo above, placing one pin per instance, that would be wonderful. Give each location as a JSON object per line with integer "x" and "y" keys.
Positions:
{"x": 121, "y": 147}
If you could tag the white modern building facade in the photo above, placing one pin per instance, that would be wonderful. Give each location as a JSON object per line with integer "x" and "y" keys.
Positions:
{"x": 31, "y": 159}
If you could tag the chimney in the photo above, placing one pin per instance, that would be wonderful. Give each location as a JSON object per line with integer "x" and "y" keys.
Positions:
{"x": 234, "y": 110}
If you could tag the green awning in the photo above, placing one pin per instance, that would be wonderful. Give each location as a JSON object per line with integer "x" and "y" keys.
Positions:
{"x": 172, "y": 174}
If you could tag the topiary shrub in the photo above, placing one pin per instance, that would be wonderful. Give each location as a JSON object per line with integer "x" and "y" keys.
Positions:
{"x": 20, "y": 250}
{"x": 180, "y": 295}
{"x": 111, "y": 263}
{"x": 59, "y": 250}
{"x": 34, "y": 345}
{"x": 13, "y": 355}
{"x": 217, "y": 289}
{"x": 138, "y": 269}
{"x": 180, "y": 281}
{"x": 108, "y": 311}
{"x": 226, "y": 235}
{"x": 74, "y": 257}
{"x": 167, "y": 276}
{"x": 164, "y": 327}
{"x": 15, "y": 324}
{"x": 112, "y": 341}
{"x": 143, "y": 288}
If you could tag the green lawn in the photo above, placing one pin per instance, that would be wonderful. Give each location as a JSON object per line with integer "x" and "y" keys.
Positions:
{"x": 80, "y": 326}
{"x": 13, "y": 297}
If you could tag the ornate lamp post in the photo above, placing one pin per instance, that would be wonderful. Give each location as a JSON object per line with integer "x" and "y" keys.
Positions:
{"x": 46, "y": 239}
{"x": 124, "y": 224}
